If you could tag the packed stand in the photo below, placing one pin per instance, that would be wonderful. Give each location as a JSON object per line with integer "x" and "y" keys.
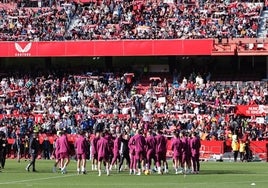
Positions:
{"x": 90, "y": 103}
{"x": 42, "y": 23}
{"x": 148, "y": 19}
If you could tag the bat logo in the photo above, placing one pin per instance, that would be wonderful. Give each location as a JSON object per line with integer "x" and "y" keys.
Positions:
{"x": 23, "y": 50}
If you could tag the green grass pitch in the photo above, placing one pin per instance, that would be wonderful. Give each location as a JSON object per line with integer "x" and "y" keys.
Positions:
{"x": 212, "y": 175}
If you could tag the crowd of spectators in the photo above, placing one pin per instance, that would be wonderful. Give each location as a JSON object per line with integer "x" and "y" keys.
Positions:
{"x": 22, "y": 23}
{"x": 114, "y": 102}
{"x": 131, "y": 19}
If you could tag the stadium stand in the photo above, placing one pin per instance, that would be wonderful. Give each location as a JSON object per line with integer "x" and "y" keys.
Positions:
{"x": 113, "y": 20}
{"x": 74, "y": 102}
{"x": 48, "y": 103}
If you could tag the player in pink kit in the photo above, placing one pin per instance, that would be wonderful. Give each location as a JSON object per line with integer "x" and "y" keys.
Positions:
{"x": 140, "y": 144}
{"x": 131, "y": 146}
{"x": 195, "y": 145}
{"x": 56, "y": 150}
{"x": 116, "y": 148}
{"x": 103, "y": 152}
{"x": 81, "y": 149}
{"x": 186, "y": 152}
{"x": 161, "y": 151}
{"x": 64, "y": 150}
{"x": 176, "y": 147}
{"x": 150, "y": 150}
{"x": 94, "y": 151}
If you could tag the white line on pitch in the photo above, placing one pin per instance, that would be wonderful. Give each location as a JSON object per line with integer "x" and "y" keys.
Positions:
{"x": 37, "y": 179}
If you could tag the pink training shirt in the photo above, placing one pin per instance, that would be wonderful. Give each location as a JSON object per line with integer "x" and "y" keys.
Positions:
{"x": 81, "y": 145}
{"x": 63, "y": 144}
{"x": 103, "y": 147}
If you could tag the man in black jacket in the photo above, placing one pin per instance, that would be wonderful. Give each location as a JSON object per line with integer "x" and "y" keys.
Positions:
{"x": 46, "y": 146}
{"x": 124, "y": 152}
{"x": 3, "y": 149}
{"x": 34, "y": 148}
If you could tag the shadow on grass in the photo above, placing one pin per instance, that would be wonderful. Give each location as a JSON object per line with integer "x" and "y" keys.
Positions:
{"x": 206, "y": 172}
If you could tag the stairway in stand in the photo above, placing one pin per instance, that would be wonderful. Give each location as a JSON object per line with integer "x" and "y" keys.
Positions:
{"x": 263, "y": 24}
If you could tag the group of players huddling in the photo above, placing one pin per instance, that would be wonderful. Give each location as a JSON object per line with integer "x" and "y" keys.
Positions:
{"x": 144, "y": 151}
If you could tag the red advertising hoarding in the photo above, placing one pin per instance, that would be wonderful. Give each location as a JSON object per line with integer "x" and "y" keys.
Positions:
{"x": 106, "y": 48}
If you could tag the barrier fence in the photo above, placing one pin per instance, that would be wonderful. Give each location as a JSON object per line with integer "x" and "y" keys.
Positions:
{"x": 208, "y": 148}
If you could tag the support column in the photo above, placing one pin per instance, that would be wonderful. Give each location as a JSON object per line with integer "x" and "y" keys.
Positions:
{"x": 48, "y": 63}
{"x": 172, "y": 63}
{"x": 238, "y": 64}
{"x": 253, "y": 62}
{"x": 266, "y": 67}
{"x": 1, "y": 60}
{"x": 108, "y": 61}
